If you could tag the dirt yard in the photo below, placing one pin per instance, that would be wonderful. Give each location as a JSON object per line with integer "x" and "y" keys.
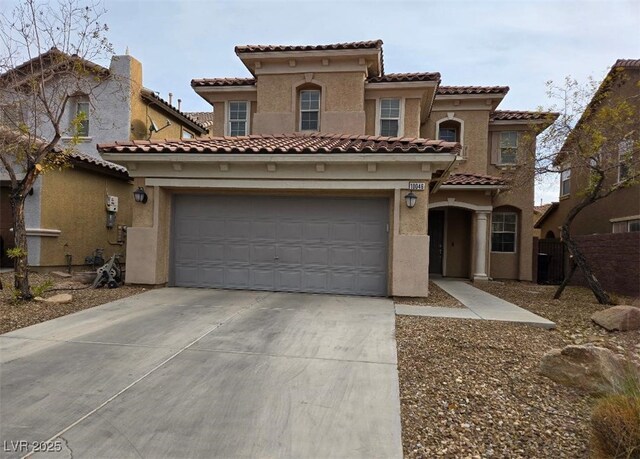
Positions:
{"x": 471, "y": 388}
{"x": 19, "y": 314}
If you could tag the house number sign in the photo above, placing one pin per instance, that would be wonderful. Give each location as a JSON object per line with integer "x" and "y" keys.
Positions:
{"x": 416, "y": 186}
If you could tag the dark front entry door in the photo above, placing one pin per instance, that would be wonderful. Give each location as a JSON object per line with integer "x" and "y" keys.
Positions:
{"x": 436, "y": 241}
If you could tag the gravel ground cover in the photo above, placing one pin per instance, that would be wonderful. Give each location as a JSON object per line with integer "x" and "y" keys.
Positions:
{"x": 471, "y": 388}
{"x": 437, "y": 297}
{"x": 14, "y": 315}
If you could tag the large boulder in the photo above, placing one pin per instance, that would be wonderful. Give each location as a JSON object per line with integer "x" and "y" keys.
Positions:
{"x": 621, "y": 318}
{"x": 61, "y": 298}
{"x": 593, "y": 369}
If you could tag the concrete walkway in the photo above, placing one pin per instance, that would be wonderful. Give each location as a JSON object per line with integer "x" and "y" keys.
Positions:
{"x": 479, "y": 305}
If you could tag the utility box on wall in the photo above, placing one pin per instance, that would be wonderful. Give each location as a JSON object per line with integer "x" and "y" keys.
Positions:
{"x": 112, "y": 208}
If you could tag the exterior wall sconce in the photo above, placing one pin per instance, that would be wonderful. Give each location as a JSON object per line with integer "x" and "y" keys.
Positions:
{"x": 140, "y": 196}
{"x": 410, "y": 199}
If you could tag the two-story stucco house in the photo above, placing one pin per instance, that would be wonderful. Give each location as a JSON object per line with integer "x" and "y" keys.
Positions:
{"x": 319, "y": 176}
{"x": 66, "y": 214}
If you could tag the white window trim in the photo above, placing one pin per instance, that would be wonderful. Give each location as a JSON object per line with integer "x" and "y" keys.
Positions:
{"x": 622, "y": 150}
{"x": 227, "y": 121}
{"x": 451, "y": 119}
{"x": 515, "y": 239}
{"x": 562, "y": 181}
{"x": 400, "y": 115}
{"x": 500, "y": 163}
{"x": 319, "y": 91}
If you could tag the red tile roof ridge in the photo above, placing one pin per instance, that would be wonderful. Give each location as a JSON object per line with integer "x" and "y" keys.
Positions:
{"x": 455, "y": 90}
{"x": 367, "y": 44}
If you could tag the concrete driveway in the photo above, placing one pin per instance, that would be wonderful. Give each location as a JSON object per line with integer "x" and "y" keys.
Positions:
{"x": 206, "y": 373}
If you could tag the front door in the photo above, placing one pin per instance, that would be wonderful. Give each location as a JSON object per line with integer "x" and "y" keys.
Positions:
{"x": 436, "y": 241}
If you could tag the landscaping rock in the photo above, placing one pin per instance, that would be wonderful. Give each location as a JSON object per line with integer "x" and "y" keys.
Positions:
{"x": 86, "y": 277}
{"x": 61, "y": 298}
{"x": 590, "y": 368}
{"x": 61, "y": 274}
{"x": 620, "y": 318}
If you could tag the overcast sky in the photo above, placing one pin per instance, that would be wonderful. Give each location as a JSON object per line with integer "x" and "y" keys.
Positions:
{"x": 519, "y": 43}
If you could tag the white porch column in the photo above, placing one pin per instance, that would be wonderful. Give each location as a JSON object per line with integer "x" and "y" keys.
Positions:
{"x": 482, "y": 223}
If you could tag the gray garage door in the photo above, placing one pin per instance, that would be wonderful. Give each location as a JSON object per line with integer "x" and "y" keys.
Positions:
{"x": 294, "y": 244}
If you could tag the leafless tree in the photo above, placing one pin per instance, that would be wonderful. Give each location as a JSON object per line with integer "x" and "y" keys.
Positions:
{"x": 597, "y": 137}
{"x": 46, "y": 60}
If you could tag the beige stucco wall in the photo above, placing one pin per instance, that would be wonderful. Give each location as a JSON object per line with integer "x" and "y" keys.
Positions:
{"x": 73, "y": 201}
{"x": 341, "y": 103}
{"x": 475, "y": 136}
{"x": 412, "y": 113}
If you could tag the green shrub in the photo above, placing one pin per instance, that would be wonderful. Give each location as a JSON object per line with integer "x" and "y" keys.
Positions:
{"x": 40, "y": 289}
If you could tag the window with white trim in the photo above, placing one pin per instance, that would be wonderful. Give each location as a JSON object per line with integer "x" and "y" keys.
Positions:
{"x": 238, "y": 118}
{"x": 626, "y": 226}
{"x": 309, "y": 110}
{"x": 389, "y": 117}
{"x": 565, "y": 182}
{"x": 82, "y": 117}
{"x": 624, "y": 151}
{"x": 508, "y": 147}
{"x": 503, "y": 232}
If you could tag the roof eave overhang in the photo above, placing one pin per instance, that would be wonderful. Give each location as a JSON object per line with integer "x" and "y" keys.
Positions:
{"x": 400, "y": 85}
{"x": 344, "y": 158}
{"x": 473, "y": 187}
{"x": 505, "y": 122}
{"x": 471, "y": 96}
{"x": 173, "y": 112}
{"x": 248, "y": 57}
{"x": 230, "y": 88}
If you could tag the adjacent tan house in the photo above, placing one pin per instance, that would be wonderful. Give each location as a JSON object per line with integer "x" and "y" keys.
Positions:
{"x": 66, "y": 214}
{"x": 620, "y": 212}
{"x": 319, "y": 177}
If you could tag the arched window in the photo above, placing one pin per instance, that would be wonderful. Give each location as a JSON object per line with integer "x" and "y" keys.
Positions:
{"x": 449, "y": 130}
{"x": 550, "y": 235}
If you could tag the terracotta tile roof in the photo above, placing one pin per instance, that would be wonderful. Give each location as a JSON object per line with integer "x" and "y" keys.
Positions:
{"x": 191, "y": 122}
{"x": 204, "y": 118}
{"x": 223, "y": 82}
{"x": 473, "y": 179}
{"x": 85, "y": 158}
{"x": 627, "y": 63}
{"x": 371, "y": 44}
{"x": 544, "y": 212}
{"x": 461, "y": 90}
{"x": 518, "y": 115}
{"x": 286, "y": 143}
{"x": 402, "y": 77}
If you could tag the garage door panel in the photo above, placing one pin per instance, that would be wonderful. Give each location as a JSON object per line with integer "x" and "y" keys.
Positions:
{"x": 261, "y": 253}
{"x": 333, "y": 245}
{"x": 237, "y": 277}
{"x": 263, "y": 230}
{"x": 289, "y": 280}
{"x": 263, "y": 278}
{"x": 315, "y": 255}
{"x": 316, "y": 231}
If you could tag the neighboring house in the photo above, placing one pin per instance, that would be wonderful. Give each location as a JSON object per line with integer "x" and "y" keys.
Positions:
{"x": 608, "y": 231}
{"x": 66, "y": 214}
{"x": 619, "y": 212}
{"x": 540, "y": 212}
{"x": 319, "y": 178}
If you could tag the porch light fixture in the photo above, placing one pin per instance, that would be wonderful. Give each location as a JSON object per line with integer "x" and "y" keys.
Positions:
{"x": 410, "y": 199}
{"x": 140, "y": 196}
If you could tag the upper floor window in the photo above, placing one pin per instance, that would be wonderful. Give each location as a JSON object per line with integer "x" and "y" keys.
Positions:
{"x": 390, "y": 117}
{"x": 450, "y": 131}
{"x": 82, "y": 118}
{"x": 503, "y": 232}
{"x": 310, "y": 110}
{"x": 508, "y": 147}
{"x": 624, "y": 151}
{"x": 565, "y": 182}
{"x": 629, "y": 225}
{"x": 238, "y": 118}
{"x": 186, "y": 134}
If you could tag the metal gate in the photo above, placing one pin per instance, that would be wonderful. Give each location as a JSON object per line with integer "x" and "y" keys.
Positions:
{"x": 550, "y": 261}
